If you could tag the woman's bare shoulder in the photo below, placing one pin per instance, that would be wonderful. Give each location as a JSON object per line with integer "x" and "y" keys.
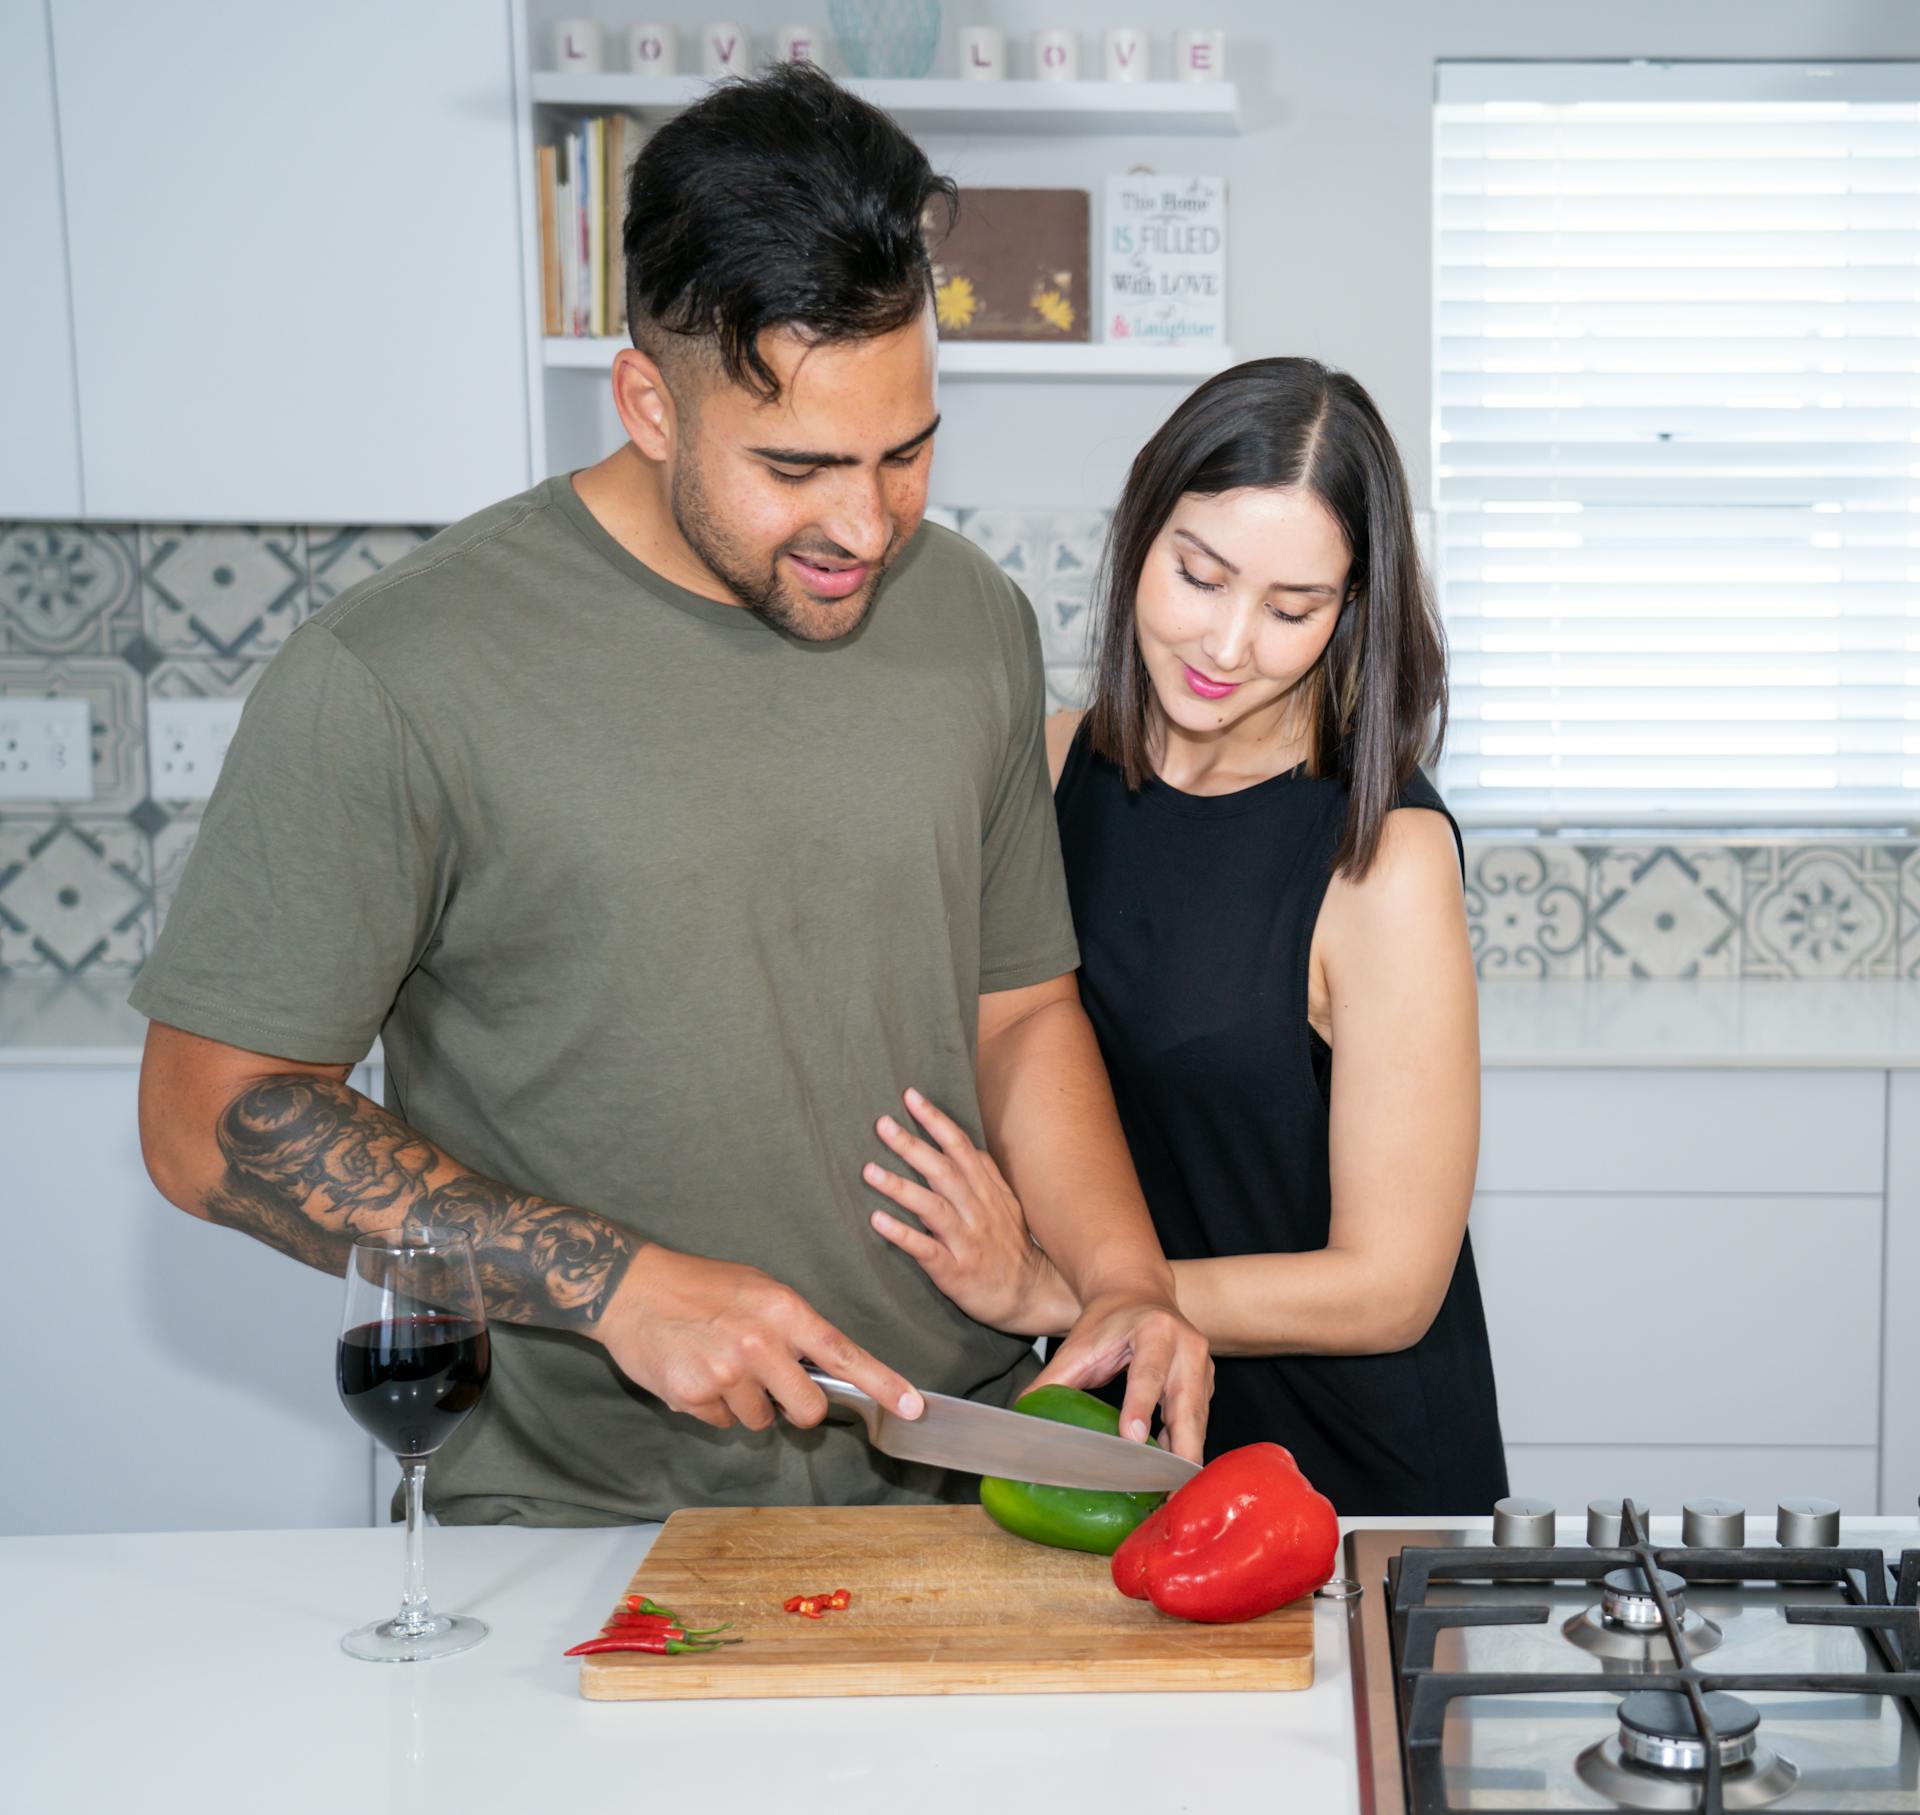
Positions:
{"x": 1060, "y": 728}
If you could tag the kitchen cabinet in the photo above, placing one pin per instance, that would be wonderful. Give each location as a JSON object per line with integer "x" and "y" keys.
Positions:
{"x": 1900, "y": 1376}
{"x": 40, "y": 450}
{"x": 294, "y": 240}
{"x": 166, "y": 1374}
{"x": 1683, "y": 1280}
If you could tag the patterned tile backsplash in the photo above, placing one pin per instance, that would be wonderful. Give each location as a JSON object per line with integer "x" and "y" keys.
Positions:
{"x": 119, "y": 616}
{"x": 1785, "y": 908}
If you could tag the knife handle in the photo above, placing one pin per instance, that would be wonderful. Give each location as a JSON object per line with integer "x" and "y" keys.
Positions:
{"x": 845, "y": 1394}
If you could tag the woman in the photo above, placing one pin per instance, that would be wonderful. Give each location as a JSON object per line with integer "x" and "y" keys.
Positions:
{"x": 1274, "y": 953}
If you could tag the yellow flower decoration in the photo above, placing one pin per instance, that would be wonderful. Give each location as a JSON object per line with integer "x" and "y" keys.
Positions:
{"x": 1054, "y": 309}
{"x": 954, "y": 303}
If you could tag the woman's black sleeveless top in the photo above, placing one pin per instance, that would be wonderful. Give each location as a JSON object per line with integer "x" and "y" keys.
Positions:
{"x": 1195, "y": 915}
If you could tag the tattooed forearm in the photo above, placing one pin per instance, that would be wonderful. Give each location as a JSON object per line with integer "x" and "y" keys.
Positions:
{"x": 540, "y": 1262}
{"x": 311, "y": 1164}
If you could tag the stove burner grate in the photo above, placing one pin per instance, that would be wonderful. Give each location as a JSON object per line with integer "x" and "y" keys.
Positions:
{"x": 1715, "y": 1785}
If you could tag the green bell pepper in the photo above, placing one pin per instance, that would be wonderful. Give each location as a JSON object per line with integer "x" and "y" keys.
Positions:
{"x": 1070, "y": 1518}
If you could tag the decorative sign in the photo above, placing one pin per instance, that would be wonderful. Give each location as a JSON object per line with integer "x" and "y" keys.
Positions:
{"x": 1166, "y": 267}
{"x": 1015, "y": 266}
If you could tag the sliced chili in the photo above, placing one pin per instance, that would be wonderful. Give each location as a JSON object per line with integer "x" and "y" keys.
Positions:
{"x": 814, "y": 1606}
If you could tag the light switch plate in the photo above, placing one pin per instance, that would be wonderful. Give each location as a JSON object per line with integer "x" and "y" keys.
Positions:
{"x": 186, "y": 742}
{"x": 46, "y": 749}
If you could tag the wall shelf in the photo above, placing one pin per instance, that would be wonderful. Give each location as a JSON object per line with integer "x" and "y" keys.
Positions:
{"x": 939, "y": 105}
{"x": 966, "y": 359}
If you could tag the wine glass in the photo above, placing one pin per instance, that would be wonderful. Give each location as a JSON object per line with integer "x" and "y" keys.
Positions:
{"x": 412, "y": 1363}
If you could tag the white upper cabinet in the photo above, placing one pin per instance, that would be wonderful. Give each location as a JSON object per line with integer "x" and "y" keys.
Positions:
{"x": 39, "y": 440}
{"x": 294, "y": 243}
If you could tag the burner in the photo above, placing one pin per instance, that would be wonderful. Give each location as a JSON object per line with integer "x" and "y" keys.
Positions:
{"x": 1657, "y": 1759}
{"x": 1656, "y": 1728}
{"x": 1626, "y": 1628}
{"x": 1626, "y": 1601}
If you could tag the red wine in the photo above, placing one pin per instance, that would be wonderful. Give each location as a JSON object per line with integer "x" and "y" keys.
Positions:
{"x": 410, "y": 1380}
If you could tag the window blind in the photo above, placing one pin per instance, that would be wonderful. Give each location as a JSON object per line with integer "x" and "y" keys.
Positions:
{"x": 1677, "y": 460}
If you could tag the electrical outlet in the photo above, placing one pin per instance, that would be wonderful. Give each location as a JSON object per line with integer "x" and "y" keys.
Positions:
{"x": 46, "y": 749}
{"x": 186, "y": 743}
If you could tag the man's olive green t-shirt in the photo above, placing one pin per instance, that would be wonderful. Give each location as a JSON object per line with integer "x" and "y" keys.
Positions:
{"x": 656, "y": 909}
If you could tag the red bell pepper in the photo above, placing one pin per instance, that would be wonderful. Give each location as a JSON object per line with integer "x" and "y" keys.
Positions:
{"x": 1246, "y": 1535}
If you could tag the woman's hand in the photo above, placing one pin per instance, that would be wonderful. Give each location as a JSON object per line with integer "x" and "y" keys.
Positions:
{"x": 973, "y": 1240}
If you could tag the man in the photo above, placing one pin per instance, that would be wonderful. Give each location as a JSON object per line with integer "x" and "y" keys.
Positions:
{"x": 668, "y": 820}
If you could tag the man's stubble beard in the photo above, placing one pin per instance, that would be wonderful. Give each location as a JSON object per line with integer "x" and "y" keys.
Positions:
{"x": 769, "y": 596}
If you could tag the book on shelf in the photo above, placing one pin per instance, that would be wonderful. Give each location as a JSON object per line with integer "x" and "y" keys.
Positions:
{"x": 581, "y": 178}
{"x": 547, "y": 184}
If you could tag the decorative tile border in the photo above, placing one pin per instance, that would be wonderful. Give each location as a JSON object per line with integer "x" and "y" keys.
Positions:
{"x": 125, "y": 614}
{"x": 119, "y": 616}
{"x": 1051, "y": 556}
{"x": 74, "y": 897}
{"x": 1909, "y": 964}
{"x": 1527, "y": 911}
{"x": 222, "y": 592}
{"x": 1788, "y": 908}
{"x": 1664, "y": 911}
{"x": 1824, "y": 911}
{"x": 67, "y": 589}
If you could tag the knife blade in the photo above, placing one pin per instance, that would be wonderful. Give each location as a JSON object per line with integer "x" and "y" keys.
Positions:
{"x": 985, "y": 1440}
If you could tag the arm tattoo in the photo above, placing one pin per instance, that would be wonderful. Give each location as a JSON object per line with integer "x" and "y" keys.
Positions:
{"x": 312, "y": 1164}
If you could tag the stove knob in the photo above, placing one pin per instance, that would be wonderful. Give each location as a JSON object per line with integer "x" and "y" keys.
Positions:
{"x": 1603, "y": 1524}
{"x": 1713, "y": 1524}
{"x": 1807, "y": 1524}
{"x": 1523, "y": 1524}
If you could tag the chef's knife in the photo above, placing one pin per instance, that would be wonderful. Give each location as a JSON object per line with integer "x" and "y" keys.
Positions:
{"x": 984, "y": 1440}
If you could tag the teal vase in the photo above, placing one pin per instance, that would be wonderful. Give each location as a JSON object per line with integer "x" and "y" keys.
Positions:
{"x": 886, "y": 37}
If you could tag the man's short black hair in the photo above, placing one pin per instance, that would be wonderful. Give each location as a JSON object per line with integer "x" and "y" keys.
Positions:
{"x": 779, "y": 202}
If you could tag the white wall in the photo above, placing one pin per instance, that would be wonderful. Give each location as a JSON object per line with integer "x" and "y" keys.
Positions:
{"x": 1329, "y": 185}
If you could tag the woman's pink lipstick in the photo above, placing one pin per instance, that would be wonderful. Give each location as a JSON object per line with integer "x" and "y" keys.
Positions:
{"x": 1206, "y": 688}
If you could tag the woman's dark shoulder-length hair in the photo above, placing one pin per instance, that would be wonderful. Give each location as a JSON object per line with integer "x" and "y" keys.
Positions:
{"x": 1379, "y": 691}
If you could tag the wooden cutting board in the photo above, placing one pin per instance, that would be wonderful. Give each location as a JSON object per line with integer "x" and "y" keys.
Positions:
{"x": 944, "y": 1603}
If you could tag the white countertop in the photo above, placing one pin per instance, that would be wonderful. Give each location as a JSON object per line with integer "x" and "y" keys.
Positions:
{"x": 224, "y": 1690}
{"x": 1706, "y": 1023}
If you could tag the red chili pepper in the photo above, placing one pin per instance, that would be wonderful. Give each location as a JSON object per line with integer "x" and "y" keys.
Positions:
{"x": 839, "y": 1598}
{"x": 645, "y": 1603}
{"x": 1249, "y": 1533}
{"x": 646, "y": 1622}
{"x": 661, "y": 1642}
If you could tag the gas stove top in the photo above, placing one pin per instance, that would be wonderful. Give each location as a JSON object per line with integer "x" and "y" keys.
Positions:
{"x": 1710, "y": 1675}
